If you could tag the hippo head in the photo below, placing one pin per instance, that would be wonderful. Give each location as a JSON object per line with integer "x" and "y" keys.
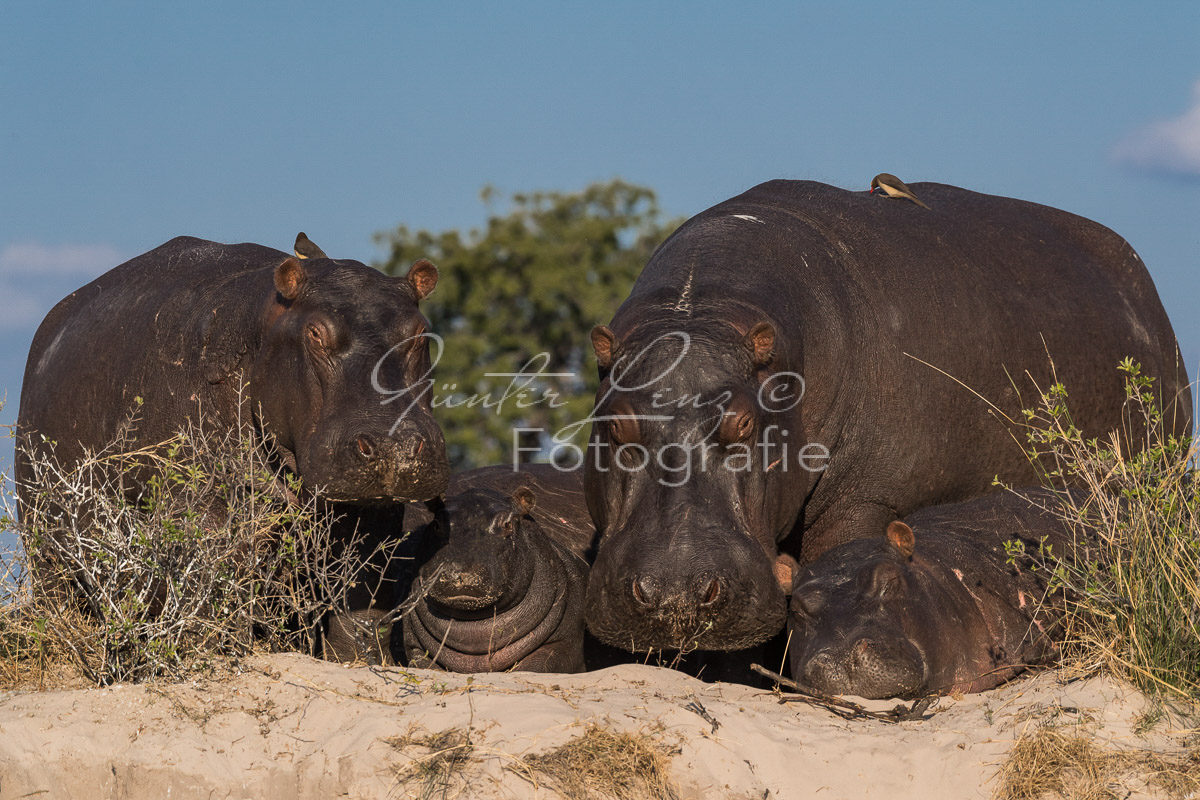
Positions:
{"x": 870, "y": 620}
{"x": 479, "y": 565}
{"x": 340, "y": 342}
{"x": 690, "y": 484}
{"x": 479, "y": 604}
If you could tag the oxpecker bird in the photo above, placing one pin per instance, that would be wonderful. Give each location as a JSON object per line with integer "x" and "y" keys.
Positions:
{"x": 893, "y": 187}
{"x": 304, "y": 248}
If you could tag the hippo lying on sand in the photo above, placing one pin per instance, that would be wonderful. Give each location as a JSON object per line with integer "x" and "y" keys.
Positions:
{"x": 505, "y": 591}
{"x": 931, "y": 608}
{"x": 801, "y": 365}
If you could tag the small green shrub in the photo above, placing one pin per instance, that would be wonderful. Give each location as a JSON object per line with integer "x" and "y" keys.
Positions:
{"x": 1134, "y": 608}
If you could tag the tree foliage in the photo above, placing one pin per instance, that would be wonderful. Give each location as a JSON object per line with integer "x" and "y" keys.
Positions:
{"x": 521, "y": 296}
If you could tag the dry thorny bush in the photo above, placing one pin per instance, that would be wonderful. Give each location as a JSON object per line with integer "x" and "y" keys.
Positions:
{"x": 1133, "y": 608}
{"x": 160, "y": 561}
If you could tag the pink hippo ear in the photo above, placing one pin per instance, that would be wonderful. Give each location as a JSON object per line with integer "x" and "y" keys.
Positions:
{"x": 760, "y": 341}
{"x": 901, "y": 537}
{"x": 604, "y": 342}
{"x": 524, "y": 500}
{"x": 423, "y": 277}
{"x": 290, "y": 277}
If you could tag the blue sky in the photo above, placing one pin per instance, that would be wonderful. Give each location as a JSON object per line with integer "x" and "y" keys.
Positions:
{"x": 125, "y": 124}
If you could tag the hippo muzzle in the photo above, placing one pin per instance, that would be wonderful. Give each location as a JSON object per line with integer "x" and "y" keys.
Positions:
{"x": 691, "y": 596}
{"x": 872, "y": 664}
{"x": 367, "y": 461}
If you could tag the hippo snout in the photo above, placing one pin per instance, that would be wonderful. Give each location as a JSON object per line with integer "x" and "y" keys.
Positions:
{"x": 367, "y": 462}
{"x": 463, "y": 586}
{"x": 867, "y": 666}
{"x": 684, "y": 598}
{"x": 674, "y": 599}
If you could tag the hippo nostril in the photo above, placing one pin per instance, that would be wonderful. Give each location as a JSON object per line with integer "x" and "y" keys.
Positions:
{"x": 713, "y": 594}
{"x": 366, "y": 448}
{"x": 420, "y": 446}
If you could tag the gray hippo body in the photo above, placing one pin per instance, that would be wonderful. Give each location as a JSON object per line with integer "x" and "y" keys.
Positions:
{"x": 505, "y": 590}
{"x": 305, "y": 351}
{"x": 799, "y": 319}
{"x": 935, "y": 607}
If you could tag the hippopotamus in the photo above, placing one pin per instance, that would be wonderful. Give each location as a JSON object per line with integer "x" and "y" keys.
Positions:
{"x": 311, "y": 352}
{"x": 505, "y": 590}
{"x": 935, "y": 603}
{"x": 801, "y": 365}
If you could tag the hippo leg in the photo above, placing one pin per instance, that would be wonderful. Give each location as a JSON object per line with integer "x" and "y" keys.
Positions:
{"x": 360, "y": 636}
{"x": 561, "y": 656}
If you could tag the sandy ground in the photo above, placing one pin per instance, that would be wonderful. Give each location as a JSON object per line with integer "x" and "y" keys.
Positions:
{"x": 289, "y": 726}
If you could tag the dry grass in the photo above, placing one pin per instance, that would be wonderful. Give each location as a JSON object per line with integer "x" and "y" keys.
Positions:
{"x": 1132, "y": 610}
{"x": 159, "y": 561}
{"x": 449, "y": 752}
{"x": 606, "y": 764}
{"x": 1053, "y": 763}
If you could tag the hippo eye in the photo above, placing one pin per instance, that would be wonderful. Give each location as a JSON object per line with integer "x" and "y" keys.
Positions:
{"x": 737, "y": 425}
{"x": 505, "y": 525}
{"x": 623, "y": 429}
{"x": 807, "y": 603}
{"x": 416, "y": 338}
{"x": 884, "y": 579}
{"x": 316, "y": 335}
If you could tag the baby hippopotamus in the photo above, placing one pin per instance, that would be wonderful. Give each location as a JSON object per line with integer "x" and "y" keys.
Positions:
{"x": 932, "y": 605}
{"x": 505, "y": 591}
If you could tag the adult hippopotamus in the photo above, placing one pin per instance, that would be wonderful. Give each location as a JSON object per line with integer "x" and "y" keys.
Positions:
{"x": 309, "y": 351}
{"x": 934, "y": 604}
{"x": 318, "y": 343}
{"x": 505, "y": 591}
{"x": 800, "y": 365}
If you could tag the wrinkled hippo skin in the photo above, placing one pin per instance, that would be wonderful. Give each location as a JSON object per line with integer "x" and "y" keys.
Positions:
{"x": 799, "y": 318}
{"x": 933, "y": 605}
{"x": 306, "y": 350}
{"x": 505, "y": 590}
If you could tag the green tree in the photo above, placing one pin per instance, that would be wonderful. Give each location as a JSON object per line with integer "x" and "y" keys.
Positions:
{"x": 521, "y": 296}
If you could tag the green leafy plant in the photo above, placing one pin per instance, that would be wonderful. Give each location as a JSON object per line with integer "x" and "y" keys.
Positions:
{"x": 521, "y": 296}
{"x": 1133, "y": 606}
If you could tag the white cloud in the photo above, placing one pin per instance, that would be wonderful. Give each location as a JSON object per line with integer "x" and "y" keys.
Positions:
{"x": 34, "y": 259}
{"x": 1169, "y": 146}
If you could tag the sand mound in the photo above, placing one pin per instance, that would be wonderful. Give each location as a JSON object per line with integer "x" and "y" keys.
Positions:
{"x": 293, "y": 727}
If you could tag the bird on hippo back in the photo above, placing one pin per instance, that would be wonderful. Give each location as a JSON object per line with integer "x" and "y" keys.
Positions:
{"x": 316, "y": 352}
{"x": 938, "y": 603}
{"x": 505, "y": 589}
{"x": 801, "y": 365}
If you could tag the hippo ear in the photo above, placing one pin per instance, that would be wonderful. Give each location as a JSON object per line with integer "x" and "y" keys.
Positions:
{"x": 760, "y": 341}
{"x": 786, "y": 572}
{"x": 290, "y": 277}
{"x": 423, "y": 277}
{"x": 524, "y": 500}
{"x": 901, "y": 537}
{"x": 604, "y": 342}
